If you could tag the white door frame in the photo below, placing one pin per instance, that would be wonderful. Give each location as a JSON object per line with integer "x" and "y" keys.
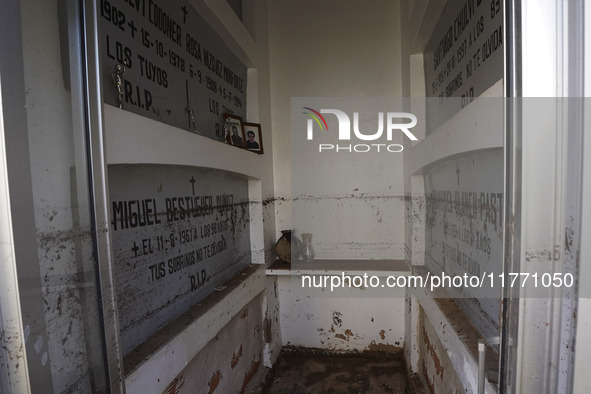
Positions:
{"x": 544, "y": 46}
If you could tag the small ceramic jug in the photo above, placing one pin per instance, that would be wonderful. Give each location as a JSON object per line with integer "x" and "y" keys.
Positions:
{"x": 287, "y": 246}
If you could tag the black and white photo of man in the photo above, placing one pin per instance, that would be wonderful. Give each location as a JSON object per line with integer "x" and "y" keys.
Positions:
{"x": 253, "y": 136}
{"x": 234, "y": 131}
{"x": 250, "y": 142}
{"x": 236, "y": 138}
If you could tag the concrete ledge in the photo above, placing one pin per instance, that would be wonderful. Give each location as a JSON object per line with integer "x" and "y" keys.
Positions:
{"x": 458, "y": 336}
{"x": 474, "y": 128}
{"x": 159, "y": 360}
{"x": 337, "y": 267}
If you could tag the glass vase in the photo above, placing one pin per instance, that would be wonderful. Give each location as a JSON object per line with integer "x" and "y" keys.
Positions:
{"x": 306, "y": 249}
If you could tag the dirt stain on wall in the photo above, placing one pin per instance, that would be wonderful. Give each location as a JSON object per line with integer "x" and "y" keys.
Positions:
{"x": 434, "y": 356}
{"x": 429, "y": 382}
{"x": 175, "y": 386}
{"x": 236, "y": 357}
{"x": 336, "y": 318}
{"x": 254, "y": 367}
{"x": 383, "y": 348}
{"x": 214, "y": 381}
{"x": 268, "y": 333}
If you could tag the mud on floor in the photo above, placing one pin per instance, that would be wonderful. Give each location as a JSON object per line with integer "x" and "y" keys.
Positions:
{"x": 301, "y": 371}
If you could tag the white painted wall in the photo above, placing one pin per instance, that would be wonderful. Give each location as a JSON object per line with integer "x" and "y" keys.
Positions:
{"x": 353, "y": 207}
{"x": 351, "y": 201}
{"x": 349, "y": 320}
{"x": 333, "y": 49}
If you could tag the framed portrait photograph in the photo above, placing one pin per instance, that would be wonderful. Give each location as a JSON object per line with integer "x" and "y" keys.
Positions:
{"x": 254, "y": 138}
{"x": 234, "y": 130}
